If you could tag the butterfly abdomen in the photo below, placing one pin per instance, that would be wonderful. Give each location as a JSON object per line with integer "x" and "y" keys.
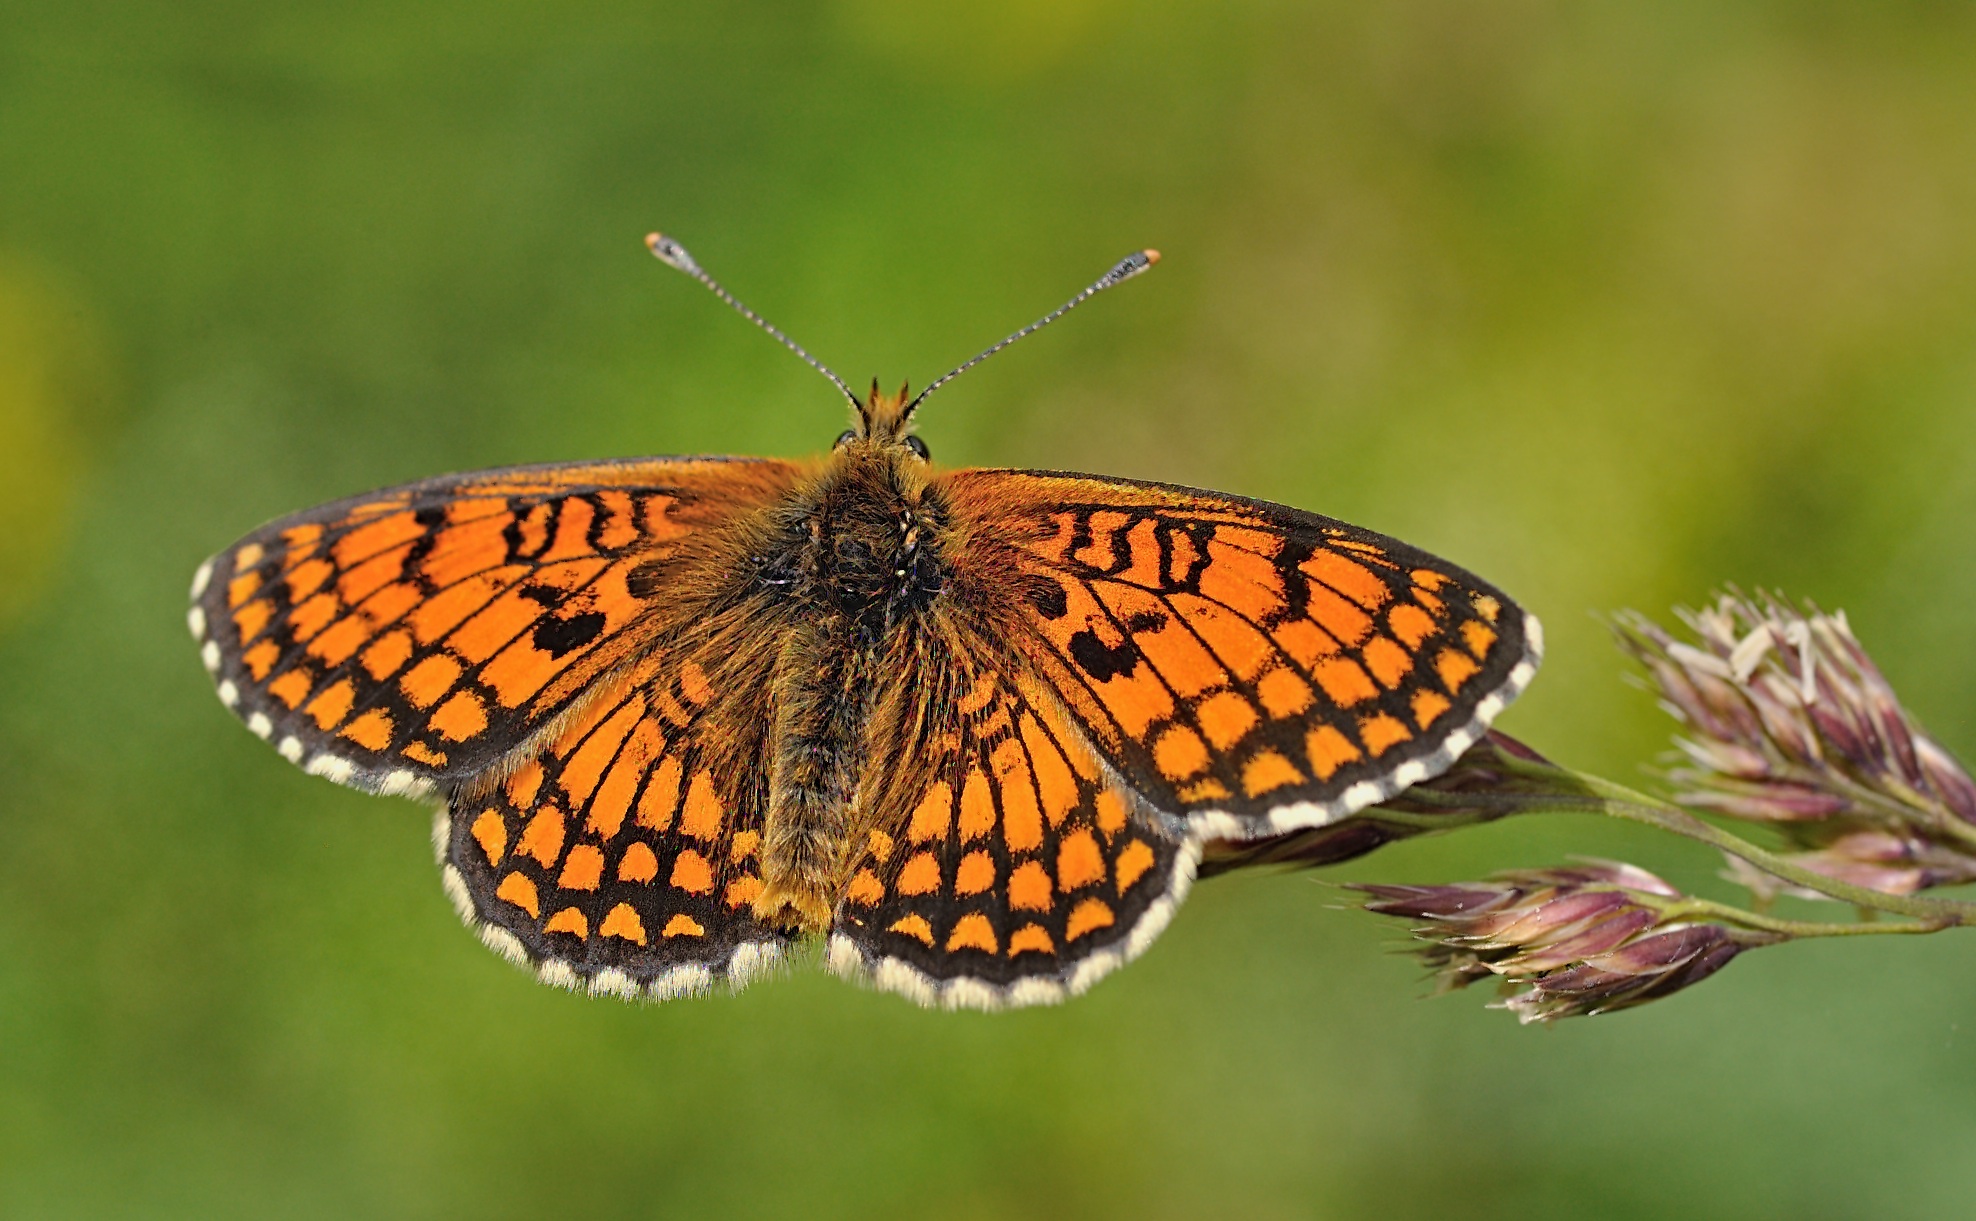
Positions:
{"x": 863, "y": 554}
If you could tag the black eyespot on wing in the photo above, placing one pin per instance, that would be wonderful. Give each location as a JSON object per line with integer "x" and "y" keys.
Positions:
{"x": 1100, "y": 660}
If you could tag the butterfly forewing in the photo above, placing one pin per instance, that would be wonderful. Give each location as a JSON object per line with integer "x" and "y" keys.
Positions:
{"x": 419, "y": 634}
{"x": 1246, "y": 667}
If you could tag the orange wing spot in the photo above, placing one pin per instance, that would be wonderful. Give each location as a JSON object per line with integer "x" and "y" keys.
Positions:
{"x": 1180, "y": 753}
{"x": 1237, "y": 644}
{"x": 692, "y": 874}
{"x": 1030, "y": 888}
{"x": 1388, "y": 662}
{"x": 1306, "y": 642}
{"x": 704, "y": 812}
{"x": 1343, "y": 619}
{"x": 1428, "y": 706}
{"x": 933, "y": 815}
{"x": 1133, "y": 862}
{"x": 1478, "y": 638}
{"x": 1348, "y": 577}
{"x": 1487, "y": 607}
{"x": 332, "y": 703}
{"x": 251, "y": 618}
{"x": 461, "y": 511}
{"x": 1104, "y": 526}
{"x": 1411, "y": 624}
{"x": 524, "y": 784}
{"x": 1257, "y": 541}
{"x": 1428, "y": 579}
{"x": 464, "y": 547}
{"x": 491, "y": 833}
{"x": 682, "y": 925}
{"x": 517, "y": 668}
{"x": 694, "y": 686}
{"x": 745, "y": 843}
{"x": 583, "y": 869}
{"x": 1242, "y": 581}
{"x": 921, "y": 875}
{"x": 572, "y": 531}
{"x": 1054, "y": 781}
{"x": 371, "y": 730}
{"x": 461, "y": 717}
{"x": 1079, "y": 863}
{"x": 381, "y": 535}
{"x": 1022, "y": 820}
{"x": 1088, "y": 917}
{"x": 612, "y": 803}
{"x": 915, "y": 927}
{"x": 261, "y": 658}
{"x": 638, "y": 864}
{"x": 248, "y": 556}
{"x": 618, "y": 529}
{"x": 291, "y": 688}
{"x": 742, "y": 890}
{"x": 534, "y": 529}
{"x": 1142, "y": 548}
{"x": 1345, "y": 681}
{"x": 1382, "y": 731}
{"x": 622, "y": 921}
{"x": 518, "y": 890}
{"x": 1031, "y": 937}
{"x": 242, "y": 587}
{"x": 1329, "y": 750}
{"x": 973, "y": 932}
{"x": 449, "y": 608}
{"x": 1226, "y": 717}
{"x": 385, "y": 654}
{"x": 865, "y": 888}
{"x": 569, "y": 920}
{"x": 433, "y": 677}
{"x": 1283, "y": 694}
{"x": 585, "y": 767}
{"x": 1454, "y": 668}
{"x": 880, "y": 845}
{"x": 975, "y": 874}
{"x": 1266, "y": 771}
{"x": 342, "y": 638}
{"x": 1432, "y": 603}
{"x": 1207, "y": 789}
{"x": 977, "y": 807}
{"x": 661, "y": 794}
{"x": 372, "y": 575}
{"x": 978, "y": 696}
{"x": 1111, "y": 812}
{"x": 542, "y": 838}
{"x": 417, "y": 752}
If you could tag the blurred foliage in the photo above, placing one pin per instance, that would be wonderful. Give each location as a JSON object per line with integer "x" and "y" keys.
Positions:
{"x": 1610, "y": 303}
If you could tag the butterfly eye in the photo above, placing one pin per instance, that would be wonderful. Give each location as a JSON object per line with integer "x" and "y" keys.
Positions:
{"x": 919, "y": 447}
{"x": 845, "y": 438}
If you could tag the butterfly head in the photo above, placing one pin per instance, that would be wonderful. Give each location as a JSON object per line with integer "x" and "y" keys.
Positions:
{"x": 885, "y": 422}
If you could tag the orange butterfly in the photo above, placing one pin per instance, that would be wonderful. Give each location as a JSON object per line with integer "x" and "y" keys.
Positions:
{"x": 972, "y": 726}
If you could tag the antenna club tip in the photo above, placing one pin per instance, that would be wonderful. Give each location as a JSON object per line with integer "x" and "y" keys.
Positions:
{"x": 1152, "y": 256}
{"x": 669, "y": 252}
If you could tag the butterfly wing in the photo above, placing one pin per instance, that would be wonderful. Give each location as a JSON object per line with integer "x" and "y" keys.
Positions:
{"x": 1016, "y": 871}
{"x": 621, "y": 856}
{"x": 1249, "y": 668}
{"x": 417, "y": 635}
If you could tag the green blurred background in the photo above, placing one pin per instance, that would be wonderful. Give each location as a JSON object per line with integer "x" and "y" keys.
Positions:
{"x": 1608, "y": 302}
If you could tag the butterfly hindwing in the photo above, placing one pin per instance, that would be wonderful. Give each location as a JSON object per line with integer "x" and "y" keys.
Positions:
{"x": 622, "y": 855}
{"x": 1250, "y": 667}
{"x": 419, "y": 634}
{"x": 1015, "y": 870}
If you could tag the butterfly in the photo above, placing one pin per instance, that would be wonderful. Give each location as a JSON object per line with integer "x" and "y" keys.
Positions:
{"x": 970, "y": 728}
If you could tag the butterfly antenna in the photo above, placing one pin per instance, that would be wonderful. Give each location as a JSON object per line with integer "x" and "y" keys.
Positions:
{"x": 672, "y": 254}
{"x": 1127, "y": 267}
